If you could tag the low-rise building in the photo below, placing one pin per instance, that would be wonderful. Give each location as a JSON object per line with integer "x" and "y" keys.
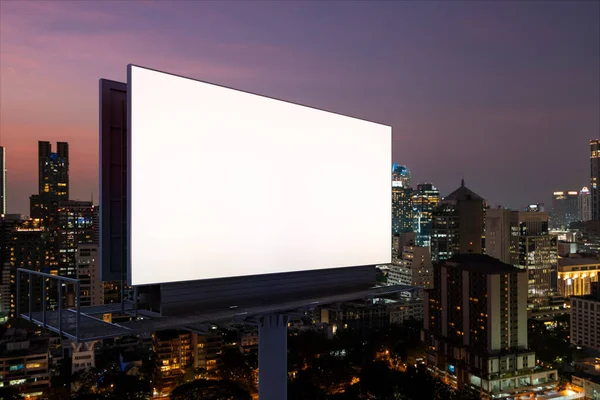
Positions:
{"x": 587, "y": 377}
{"x": 24, "y": 363}
{"x": 576, "y": 275}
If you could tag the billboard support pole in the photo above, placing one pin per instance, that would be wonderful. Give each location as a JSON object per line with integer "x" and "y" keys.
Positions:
{"x": 272, "y": 357}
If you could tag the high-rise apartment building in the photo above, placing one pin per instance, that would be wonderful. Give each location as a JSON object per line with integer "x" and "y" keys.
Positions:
{"x": 425, "y": 199}
{"x": 595, "y": 177}
{"x": 565, "y": 209}
{"x": 88, "y": 272}
{"x": 2, "y": 181}
{"x": 475, "y": 328}
{"x": 413, "y": 267}
{"x": 585, "y": 319}
{"x": 457, "y": 224}
{"x": 585, "y": 204}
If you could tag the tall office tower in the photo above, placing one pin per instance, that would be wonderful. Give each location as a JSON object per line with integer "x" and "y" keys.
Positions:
{"x": 595, "y": 178}
{"x": 457, "y": 224}
{"x": 74, "y": 222}
{"x": 475, "y": 328}
{"x": 29, "y": 249}
{"x": 2, "y": 181}
{"x": 402, "y": 209}
{"x": 53, "y": 181}
{"x": 88, "y": 272}
{"x": 565, "y": 209}
{"x": 53, "y": 171}
{"x": 585, "y": 204}
{"x": 425, "y": 199}
{"x": 400, "y": 173}
{"x": 530, "y": 247}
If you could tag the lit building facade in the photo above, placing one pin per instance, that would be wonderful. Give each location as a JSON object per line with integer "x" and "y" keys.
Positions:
{"x": 53, "y": 171}
{"x": 174, "y": 353}
{"x": 595, "y": 178}
{"x": 425, "y": 199}
{"x": 585, "y": 204}
{"x": 207, "y": 348}
{"x": 565, "y": 209}
{"x": 74, "y": 224}
{"x": 457, "y": 224}
{"x": 413, "y": 268}
{"x": 475, "y": 329}
{"x": 401, "y": 174}
{"x": 576, "y": 275}
{"x": 402, "y": 209}
{"x": 535, "y": 251}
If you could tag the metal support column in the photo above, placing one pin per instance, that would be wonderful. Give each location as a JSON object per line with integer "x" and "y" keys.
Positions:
{"x": 30, "y": 296}
{"x": 18, "y": 299}
{"x": 78, "y": 309}
{"x": 43, "y": 302}
{"x": 272, "y": 357}
{"x": 60, "y": 308}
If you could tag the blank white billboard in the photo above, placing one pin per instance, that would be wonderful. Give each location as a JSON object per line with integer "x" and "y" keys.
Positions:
{"x": 225, "y": 183}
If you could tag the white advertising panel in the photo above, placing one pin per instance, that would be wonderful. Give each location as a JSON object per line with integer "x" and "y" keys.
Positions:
{"x": 224, "y": 183}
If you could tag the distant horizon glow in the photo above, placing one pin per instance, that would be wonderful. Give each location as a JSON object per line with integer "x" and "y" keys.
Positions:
{"x": 504, "y": 94}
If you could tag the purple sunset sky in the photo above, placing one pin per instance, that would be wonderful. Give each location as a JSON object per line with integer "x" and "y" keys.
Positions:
{"x": 505, "y": 94}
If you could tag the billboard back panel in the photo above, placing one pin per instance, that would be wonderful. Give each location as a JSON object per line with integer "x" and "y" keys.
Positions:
{"x": 224, "y": 183}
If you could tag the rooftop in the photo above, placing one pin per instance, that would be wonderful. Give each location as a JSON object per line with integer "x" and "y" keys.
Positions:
{"x": 463, "y": 193}
{"x": 481, "y": 263}
{"x": 570, "y": 261}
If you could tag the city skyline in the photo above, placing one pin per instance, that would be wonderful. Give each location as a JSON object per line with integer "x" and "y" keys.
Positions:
{"x": 514, "y": 81}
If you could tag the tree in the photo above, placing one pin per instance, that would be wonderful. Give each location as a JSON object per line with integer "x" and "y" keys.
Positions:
{"x": 9, "y": 393}
{"x": 202, "y": 389}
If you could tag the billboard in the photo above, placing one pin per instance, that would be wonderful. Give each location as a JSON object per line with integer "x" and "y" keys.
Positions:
{"x": 224, "y": 183}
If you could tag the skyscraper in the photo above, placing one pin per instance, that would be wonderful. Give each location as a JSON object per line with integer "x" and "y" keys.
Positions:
{"x": 457, "y": 224}
{"x": 402, "y": 207}
{"x": 401, "y": 173}
{"x": 565, "y": 209}
{"x": 2, "y": 181}
{"x": 585, "y": 204}
{"x": 425, "y": 199}
{"x": 53, "y": 171}
{"x": 595, "y": 177}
